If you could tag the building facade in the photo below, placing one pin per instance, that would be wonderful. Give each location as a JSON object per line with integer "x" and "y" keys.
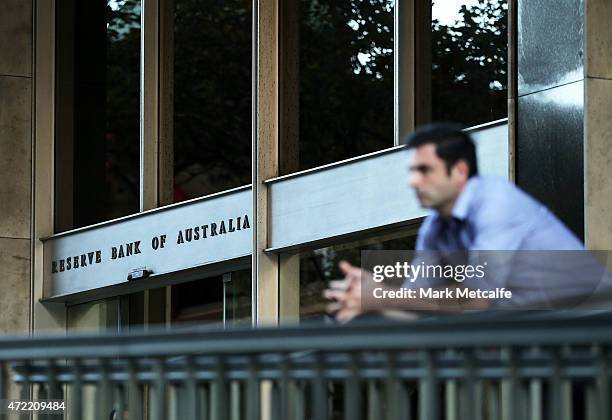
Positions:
{"x": 168, "y": 161}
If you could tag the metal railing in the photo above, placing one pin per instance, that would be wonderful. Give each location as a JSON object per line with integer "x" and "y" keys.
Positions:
{"x": 493, "y": 366}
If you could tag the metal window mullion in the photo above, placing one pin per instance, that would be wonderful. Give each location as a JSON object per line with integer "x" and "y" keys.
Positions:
{"x": 602, "y": 382}
{"x": 404, "y": 57}
{"x": 149, "y": 104}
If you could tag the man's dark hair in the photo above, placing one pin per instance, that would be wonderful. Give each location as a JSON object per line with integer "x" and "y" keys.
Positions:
{"x": 452, "y": 144}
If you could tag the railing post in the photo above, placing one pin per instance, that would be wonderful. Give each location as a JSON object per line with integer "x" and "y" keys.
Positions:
{"x": 104, "y": 400}
{"x": 352, "y": 392}
{"x": 158, "y": 398}
{"x": 319, "y": 391}
{"x": 472, "y": 401}
{"x": 190, "y": 401}
{"x": 134, "y": 392}
{"x": 555, "y": 399}
{"x": 535, "y": 399}
{"x": 510, "y": 386}
{"x": 253, "y": 392}
{"x": 451, "y": 399}
{"x": 374, "y": 400}
{"x": 603, "y": 383}
{"x": 396, "y": 398}
{"x": 428, "y": 397}
{"x": 75, "y": 397}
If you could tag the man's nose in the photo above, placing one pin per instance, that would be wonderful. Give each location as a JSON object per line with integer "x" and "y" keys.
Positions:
{"x": 414, "y": 179}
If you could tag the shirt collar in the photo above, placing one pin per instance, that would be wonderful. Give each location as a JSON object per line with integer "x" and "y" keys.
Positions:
{"x": 462, "y": 205}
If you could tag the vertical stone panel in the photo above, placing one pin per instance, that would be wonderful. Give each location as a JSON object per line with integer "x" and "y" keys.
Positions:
{"x": 598, "y": 125}
{"x": 598, "y": 15}
{"x": 16, "y": 38}
{"x": 15, "y": 300}
{"x": 265, "y": 268}
{"x": 15, "y": 156}
{"x": 598, "y": 164}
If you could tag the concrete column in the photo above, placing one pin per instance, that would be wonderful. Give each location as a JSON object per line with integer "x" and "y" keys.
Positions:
{"x": 275, "y": 76}
{"x": 46, "y": 316}
{"x": 598, "y": 125}
{"x": 265, "y": 157}
{"x": 15, "y": 164}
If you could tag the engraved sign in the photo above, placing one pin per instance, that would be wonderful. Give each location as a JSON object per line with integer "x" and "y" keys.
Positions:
{"x": 191, "y": 234}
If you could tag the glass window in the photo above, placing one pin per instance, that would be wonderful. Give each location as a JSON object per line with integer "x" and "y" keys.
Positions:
{"x": 212, "y": 96}
{"x": 319, "y": 266}
{"x": 469, "y": 69}
{"x": 215, "y": 300}
{"x": 97, "y": 111}
{"x": 99, "y": 315}
{"x": 342, "y": 83}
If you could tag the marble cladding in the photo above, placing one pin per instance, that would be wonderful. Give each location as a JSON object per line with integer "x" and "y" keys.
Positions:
{"x": 549, "y": 151}
{"x": 550, "y": 44}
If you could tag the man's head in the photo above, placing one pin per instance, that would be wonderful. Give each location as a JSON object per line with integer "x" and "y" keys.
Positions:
{"x": 443, "y": 161}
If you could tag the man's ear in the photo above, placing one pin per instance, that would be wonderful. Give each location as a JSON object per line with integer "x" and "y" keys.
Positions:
{"x": 462, "y": 169}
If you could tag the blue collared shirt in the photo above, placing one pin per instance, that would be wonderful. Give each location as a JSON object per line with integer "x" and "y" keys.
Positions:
{"x": 542, "y": 267}
{"x": 493, "y": 214}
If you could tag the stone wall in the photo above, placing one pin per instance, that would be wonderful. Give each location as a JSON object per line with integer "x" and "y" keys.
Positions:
{"x": 15, "y": 164}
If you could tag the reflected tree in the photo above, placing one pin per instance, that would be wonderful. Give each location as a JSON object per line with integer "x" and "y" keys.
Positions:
{"x": 212, "y": 95}
{"x": 469, "y": 69}
{"x": 346, "y": 79}
{"x": 122, "y": 139}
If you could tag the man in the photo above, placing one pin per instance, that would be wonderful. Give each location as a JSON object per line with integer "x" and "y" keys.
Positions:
{"x": 470, "y": 212}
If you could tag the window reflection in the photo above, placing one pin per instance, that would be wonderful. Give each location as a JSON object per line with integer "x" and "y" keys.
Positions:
{"x": 123, "y": 108}
{"x": 469, "y": 60}
{"x": 319, "y": 266}
{"x": 214, "y": 300}
{"x": 212, "y": 96}
{"x": 100, "y": 315}
{"x": 344, "y": 80}
{"x": 97, "y": 111}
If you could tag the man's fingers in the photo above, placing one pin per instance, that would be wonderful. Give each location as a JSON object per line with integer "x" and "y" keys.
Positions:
{"x": 346, "y": 315}
{"x": 333, "y": 308}
{"x": 340, "y": 284}
{"x": 338, "y": 295}
{"x": 349, "y": 270}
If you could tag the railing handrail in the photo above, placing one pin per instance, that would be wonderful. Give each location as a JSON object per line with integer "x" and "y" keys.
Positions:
{"x": 509, "y": 328}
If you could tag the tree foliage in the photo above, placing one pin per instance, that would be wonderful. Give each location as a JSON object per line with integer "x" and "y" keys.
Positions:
{"x": 469, "y": 68}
